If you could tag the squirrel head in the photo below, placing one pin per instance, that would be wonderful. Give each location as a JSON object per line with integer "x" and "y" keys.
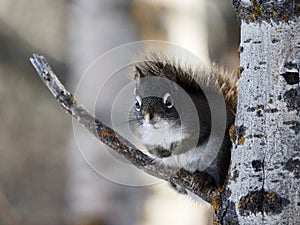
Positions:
{"x": 156, "y": 120}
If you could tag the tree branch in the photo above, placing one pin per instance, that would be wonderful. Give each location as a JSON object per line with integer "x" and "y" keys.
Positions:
{"x": 108, "y": 136}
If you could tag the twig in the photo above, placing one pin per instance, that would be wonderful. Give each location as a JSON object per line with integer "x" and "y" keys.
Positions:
{"x": 105, "y": 134}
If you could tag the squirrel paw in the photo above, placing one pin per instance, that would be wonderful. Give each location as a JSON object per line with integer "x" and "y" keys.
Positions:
{"x": 182, "y": 176}
{"x": 201, "y": 180}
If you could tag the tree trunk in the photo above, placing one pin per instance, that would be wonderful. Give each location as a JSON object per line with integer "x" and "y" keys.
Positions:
{"x": 263, "y": 186}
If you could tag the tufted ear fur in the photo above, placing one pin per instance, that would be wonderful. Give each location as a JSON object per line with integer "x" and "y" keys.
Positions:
{"x": 169, "y": 72}
{"x": 138, "y": 73}
{"x": 155, "y": 68}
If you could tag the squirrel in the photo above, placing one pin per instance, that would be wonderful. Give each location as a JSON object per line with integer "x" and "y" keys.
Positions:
{"x": 164, "y": 122}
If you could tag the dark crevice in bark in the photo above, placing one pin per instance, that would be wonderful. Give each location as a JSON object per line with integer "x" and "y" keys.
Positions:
{"x": 262, "y": 201}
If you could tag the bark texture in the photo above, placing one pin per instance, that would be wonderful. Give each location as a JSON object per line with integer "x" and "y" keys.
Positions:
{"x": 263, "y": 186}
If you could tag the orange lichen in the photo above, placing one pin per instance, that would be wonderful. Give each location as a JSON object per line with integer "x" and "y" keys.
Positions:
{"x": 216, "y": 222}
{"x": 107, "y": 134}
{"x": 285, "y": 17}
{"x": 246, "y": 200}
{"x": 231, "y": 130}
{"x": 216, "y": 203}
{"x": 132, "y": 155}
{"x": 122, "y": 146}
{"x": 239, "y": 71}
{"x": 258, "y": 9}
{"x": 271, "y": 194}
{"x": 240, "y": 49}
{"x": 221, "y": 189}
{"x": 239, "y": 205}
{"x": 241, "y": 140}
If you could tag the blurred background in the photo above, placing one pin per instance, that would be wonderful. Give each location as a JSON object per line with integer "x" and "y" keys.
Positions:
{"x": 43, "y": 177}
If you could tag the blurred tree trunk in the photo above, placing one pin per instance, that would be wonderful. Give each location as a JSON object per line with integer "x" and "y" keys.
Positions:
{"x": 263, "y": 186}
{"x": 96, "y": 197}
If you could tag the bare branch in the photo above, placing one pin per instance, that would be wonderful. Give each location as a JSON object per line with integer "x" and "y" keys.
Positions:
{"x": 108, "y": 136}
{"x": 73, "y": 107}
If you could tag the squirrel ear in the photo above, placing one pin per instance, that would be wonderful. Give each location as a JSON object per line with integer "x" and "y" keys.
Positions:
{"x": 169, "y": 72}
{"x": 138, "y": 73}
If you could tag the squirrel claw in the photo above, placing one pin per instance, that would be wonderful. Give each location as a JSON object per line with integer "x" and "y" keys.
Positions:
{"x": 202, "y": 180}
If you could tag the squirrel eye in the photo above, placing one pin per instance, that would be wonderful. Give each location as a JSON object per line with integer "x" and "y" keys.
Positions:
{"x": 168, "y": 101}
{"x": 138, "y": 103}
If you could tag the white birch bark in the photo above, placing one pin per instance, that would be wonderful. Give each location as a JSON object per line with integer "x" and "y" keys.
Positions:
{"x": 264, "y": 179}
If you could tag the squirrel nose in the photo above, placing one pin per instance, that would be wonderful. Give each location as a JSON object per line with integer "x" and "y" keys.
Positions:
{"x": 151, "y": 118}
